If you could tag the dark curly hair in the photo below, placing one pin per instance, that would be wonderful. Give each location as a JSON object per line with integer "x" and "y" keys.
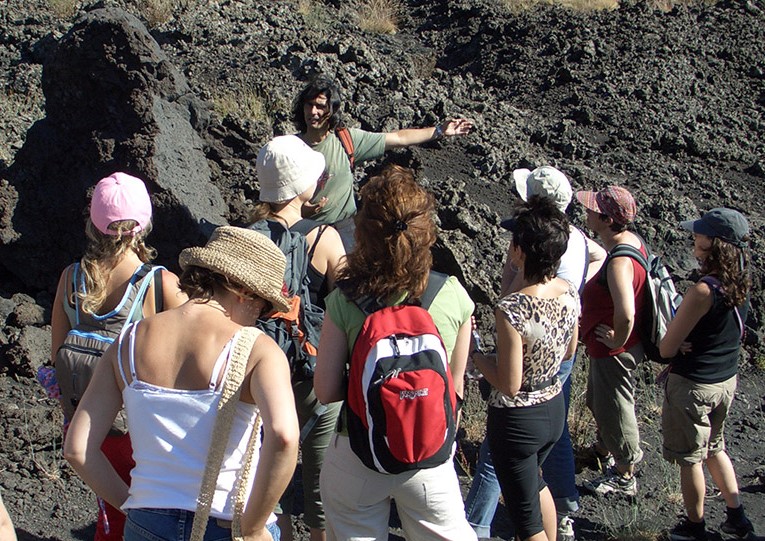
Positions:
{"x": 730, "y": 264}
{"x": 541, "y": 231}
{"x": 395, "y": 231}
{"x": 320, "y": 85}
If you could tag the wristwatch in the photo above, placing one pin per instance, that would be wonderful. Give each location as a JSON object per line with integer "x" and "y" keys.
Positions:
{"x": 438, "y": 133}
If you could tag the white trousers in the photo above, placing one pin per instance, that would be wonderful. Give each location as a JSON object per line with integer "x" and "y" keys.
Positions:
{"x": 357, "y": 500}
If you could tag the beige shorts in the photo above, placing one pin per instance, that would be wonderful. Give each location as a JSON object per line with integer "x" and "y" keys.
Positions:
{"x": 693, "y": 418}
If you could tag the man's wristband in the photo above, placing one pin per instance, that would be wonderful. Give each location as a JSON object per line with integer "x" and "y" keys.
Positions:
{"x": 438, "y": 133}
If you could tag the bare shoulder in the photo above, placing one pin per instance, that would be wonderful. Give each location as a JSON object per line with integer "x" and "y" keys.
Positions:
{"x": 699, "y": 291}
{"x": 266, "y": 348}
{"x": 172, "y": 296}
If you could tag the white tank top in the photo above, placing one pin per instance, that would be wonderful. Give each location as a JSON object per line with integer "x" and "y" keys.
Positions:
{"x": 572, "y": 264}
{"x": 171, "y": 430}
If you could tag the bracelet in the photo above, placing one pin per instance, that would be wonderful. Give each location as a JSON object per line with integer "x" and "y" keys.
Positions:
{"x": 438, "y": 133}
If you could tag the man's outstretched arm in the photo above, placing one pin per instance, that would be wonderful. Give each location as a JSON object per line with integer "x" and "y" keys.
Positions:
{"x": 417, "y": 136}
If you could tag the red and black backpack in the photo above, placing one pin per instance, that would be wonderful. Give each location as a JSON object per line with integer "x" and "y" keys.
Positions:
{"x": 401, "y": 405}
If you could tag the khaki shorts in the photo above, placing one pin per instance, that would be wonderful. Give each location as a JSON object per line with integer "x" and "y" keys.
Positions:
{"x": 693, "y": 418}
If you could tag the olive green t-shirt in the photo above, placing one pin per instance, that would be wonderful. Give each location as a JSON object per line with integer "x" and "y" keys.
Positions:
{"x": 451, "y": 308}
{"x": 339, "y": 188}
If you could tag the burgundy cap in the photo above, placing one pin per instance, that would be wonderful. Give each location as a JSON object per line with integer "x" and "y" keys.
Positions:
{"x": 613, "y": 201}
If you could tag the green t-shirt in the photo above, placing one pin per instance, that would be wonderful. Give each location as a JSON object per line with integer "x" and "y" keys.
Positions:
{"x": 451, "y": 308}
{"x": 339, "y": 188}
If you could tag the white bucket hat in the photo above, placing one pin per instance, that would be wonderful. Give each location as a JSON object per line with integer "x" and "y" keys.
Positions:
{"x": 546, "y": 181}
{"x": 287, "y": 167}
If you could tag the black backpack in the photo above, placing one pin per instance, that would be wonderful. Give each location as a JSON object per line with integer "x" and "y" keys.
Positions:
{"x": 298, "y": 331}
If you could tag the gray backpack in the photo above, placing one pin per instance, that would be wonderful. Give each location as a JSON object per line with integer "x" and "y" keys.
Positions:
{"x": 91, "y": 335}
{"x": 298, "y": 331}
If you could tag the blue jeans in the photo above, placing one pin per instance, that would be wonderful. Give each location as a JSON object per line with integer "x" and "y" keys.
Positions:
{"x": 558, "y": 473}
{"x": 481, "y": 502}
{"x": 175, "y": 525}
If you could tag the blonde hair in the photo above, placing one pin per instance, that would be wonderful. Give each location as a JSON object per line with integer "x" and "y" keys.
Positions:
{"x": 102, "y": 255}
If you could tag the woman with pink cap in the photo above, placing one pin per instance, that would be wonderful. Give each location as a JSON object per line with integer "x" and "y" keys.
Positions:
{"x": 99, "y": 291}
{"x": 612, "y": 306}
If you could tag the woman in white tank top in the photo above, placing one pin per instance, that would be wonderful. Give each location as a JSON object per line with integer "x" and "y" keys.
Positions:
{"x": 169, "y": 370}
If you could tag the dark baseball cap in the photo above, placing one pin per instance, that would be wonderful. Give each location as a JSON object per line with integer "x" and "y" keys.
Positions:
{"x": 722, "y": 223}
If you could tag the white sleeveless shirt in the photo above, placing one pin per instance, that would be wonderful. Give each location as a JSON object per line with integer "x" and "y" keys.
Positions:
{"x": 171, "y": 431}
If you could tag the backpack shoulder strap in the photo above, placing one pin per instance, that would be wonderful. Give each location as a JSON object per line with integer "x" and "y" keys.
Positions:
{"x": 621, "y": 250}
{"x": 159, "y": 298}
{"x": 347, "y": 141}
{"x": 72, "y": 312}
{"x": 305, "y": 226}
{"x": 146, "y": 275}
{"x": 368, "y": 304}
{"x": 625, "y": 250}
{"x": 436, "y": 281}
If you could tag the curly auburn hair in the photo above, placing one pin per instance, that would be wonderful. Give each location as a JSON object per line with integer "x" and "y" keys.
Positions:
{"x": 730, "y": 264}
{"x": 395, "y": 231}
{"x": 541, "y": 231}
{"x": 102, "y": 255}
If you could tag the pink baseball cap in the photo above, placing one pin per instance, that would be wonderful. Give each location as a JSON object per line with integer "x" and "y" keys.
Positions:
{"x": 120, "y": 197}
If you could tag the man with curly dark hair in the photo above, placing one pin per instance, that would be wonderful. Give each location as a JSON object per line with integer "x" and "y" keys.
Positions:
{"x": 316, "y": 115}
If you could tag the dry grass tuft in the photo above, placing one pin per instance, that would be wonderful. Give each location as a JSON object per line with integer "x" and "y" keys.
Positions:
{"x": 668, "y": 5}
{"x": 314, "y": 14}
{"x": 63, "y": 9}
{"x": 379, "y": 16}
{"x": 156, "y": 12}
{"x": 581, "y": 425}
{"x": 518, "y": 6}
{"x": 242, "y": 105}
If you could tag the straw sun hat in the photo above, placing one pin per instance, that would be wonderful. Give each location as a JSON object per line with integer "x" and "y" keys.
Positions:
{"x": 247, "y": 258}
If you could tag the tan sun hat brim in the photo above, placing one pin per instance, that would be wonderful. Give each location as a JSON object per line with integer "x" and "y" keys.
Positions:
{"x": 245, "y": 257}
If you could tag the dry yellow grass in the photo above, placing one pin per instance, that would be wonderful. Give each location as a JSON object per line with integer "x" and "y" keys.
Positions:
{"x": 156, "y": 12}
{"x": 518, "y": 6}
{"x": 314, "y": 13}
{"x": 379, "y": 16}
{"x": 242, "y": 104}
{"x": 63, "y": 9}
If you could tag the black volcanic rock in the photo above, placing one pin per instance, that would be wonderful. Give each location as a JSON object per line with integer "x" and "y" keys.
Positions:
{"x": 113, "y": 102}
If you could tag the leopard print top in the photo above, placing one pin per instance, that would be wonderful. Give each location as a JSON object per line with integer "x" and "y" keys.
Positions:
{"x": 546, "y": 327}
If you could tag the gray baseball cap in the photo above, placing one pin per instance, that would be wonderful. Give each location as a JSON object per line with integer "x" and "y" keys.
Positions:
{"x": 722, "y": 223}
